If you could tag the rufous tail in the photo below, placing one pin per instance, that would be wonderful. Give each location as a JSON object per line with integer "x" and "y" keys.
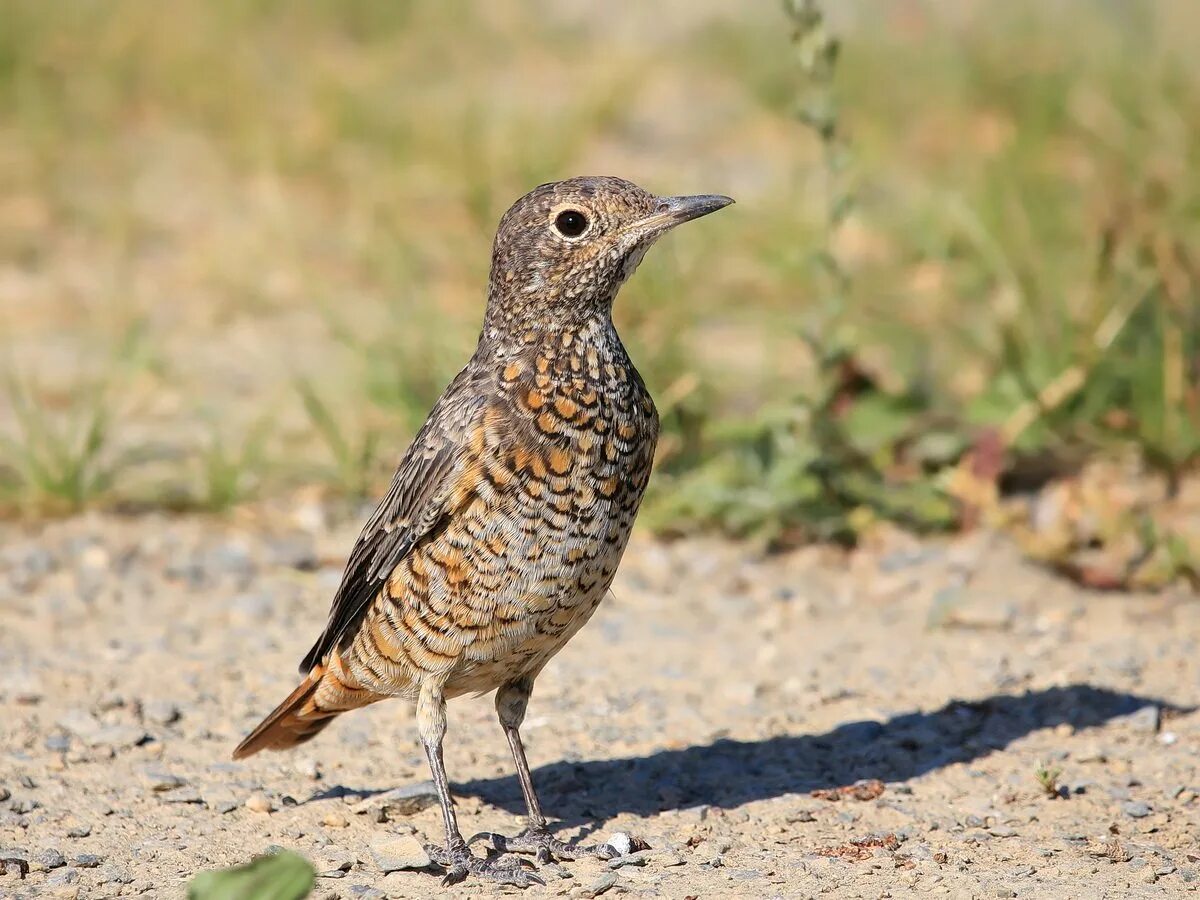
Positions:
{"x": 324, "y": 694}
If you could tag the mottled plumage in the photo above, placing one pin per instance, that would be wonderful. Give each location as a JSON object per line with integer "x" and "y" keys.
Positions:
{"x": 509, "y": 513}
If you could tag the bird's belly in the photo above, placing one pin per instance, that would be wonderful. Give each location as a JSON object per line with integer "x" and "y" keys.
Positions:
{"x": 552, "y": 602}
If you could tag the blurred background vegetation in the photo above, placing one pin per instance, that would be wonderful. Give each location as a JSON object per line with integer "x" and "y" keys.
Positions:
{"x": 243, "y": 246}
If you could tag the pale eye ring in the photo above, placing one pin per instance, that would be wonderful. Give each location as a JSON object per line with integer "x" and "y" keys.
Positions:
{"x": 571, "y": 223}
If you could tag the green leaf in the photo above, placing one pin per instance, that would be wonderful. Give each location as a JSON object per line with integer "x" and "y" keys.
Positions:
{"x": 280, "y": 876}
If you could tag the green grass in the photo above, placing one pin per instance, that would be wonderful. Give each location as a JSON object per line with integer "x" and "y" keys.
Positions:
{"x": 963, "y": 244}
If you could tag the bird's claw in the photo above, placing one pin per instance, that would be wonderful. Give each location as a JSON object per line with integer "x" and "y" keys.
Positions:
{"x": 544, "y": 846}
{"x": 460, "y": 863}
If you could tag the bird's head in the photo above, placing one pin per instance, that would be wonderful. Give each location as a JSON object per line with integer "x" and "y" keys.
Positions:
{"x": 563, "y": 250}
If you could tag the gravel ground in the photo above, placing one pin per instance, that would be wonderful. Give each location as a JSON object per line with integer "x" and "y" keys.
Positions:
{"x": 713, "y": 708}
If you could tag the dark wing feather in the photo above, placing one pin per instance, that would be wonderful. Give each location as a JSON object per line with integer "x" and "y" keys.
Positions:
{"x": 413, "y": 508}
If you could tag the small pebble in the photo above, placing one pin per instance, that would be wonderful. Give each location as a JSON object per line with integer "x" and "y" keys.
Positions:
{"x": 51, "y": 859}
{"x": 160, "y": 712}
{"x": 1137, "y": 808}
{"x": 631, "y": 859}
{"x": 79, "y": 831}
{"x": 621, "y": 842}
{"x": 558, "y": 871}
{"x": 397, "y": 852}
{"x": 601, "y": 884}
{"x": 157, "y": 780}
{"x": 87, "y": 860}
{"x": 259, "y": 802}
{"x": 335, "y": 820}
{"x": 1145, "y": 720}
{"x": 63, "y": 876}
{"x": 58, "y": 743}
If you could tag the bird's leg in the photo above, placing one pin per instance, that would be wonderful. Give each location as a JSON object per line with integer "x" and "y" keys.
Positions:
{"x": 456, "y": 858}
{"x": 511, "y": 701}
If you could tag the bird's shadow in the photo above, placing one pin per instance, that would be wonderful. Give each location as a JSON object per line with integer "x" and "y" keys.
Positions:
{"x": 728, "y": 773}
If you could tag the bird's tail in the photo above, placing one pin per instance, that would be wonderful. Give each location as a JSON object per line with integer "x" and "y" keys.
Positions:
{"x": 327, "y": 691}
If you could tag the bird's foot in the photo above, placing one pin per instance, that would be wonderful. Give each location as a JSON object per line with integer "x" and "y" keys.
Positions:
{"x": 545, "y": 846}
{"x": 460, "y": 863}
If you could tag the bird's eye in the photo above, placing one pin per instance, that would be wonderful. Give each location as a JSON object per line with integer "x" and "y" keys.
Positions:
{"x": 571, "y": 223}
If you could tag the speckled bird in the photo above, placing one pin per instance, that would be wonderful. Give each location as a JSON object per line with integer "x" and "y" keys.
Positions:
{"x": 509, "y": 513}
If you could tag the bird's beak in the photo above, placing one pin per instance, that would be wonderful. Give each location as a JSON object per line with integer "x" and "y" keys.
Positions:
{"x": 672, "y": 211}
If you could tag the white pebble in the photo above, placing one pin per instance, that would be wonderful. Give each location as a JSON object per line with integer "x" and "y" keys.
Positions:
{"x": 621, "y": 842}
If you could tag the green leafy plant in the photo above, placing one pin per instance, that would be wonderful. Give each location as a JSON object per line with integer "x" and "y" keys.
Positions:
{"x": 229, "y": 475}
{"x": 58, "y": 461}
{"x": 278, "y": 876}
{"x": 1047, "y": 775}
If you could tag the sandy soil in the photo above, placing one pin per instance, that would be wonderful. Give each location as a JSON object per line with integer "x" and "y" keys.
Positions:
{"x": 700, "y": 710}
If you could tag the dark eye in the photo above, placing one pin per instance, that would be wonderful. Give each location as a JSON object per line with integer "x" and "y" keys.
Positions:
{"x": 571, "y": 223}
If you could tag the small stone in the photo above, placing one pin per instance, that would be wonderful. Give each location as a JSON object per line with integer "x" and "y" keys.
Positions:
{"x": 158, "y": 780}
{"x": 557, "y": 870}
{"x": 118, "y": 736}
{"x": 80, "y": 723}
{"x": 1137, "y": 808}
{"x": 160, "y": 712}
{"x": 335, "y": 820}
{"x": 5, "y": 793}
{"x": 116, "y": 875}
{"x": 398, "y": 852}
{"x": 335, "y": 864}
{"x": 621, "y": 842}
{"x": 670, "y": 859}
{"x": 184, "y": 794}
{"x": 632, "y": 859}
{"x": 79, "y": 831}
{"x": 1167, "y": 738}
{"x": 21, "y": 687}
{"x": 87, "y": 860}
{"x": 601, "y": 884}
{"x": 402, "y": 801}
{"x": 63, "y": 876}
{"x": 1145, "y": 720}
{"x": 259, "y": 802}
{"x": 58, "y": 743}
{"x": 50, "y": 859}
{"x": 307, "y": 767}
{"x": 1165, "y": 869}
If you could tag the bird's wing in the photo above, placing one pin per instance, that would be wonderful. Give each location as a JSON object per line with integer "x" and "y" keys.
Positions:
{"x": 415, "y": 506}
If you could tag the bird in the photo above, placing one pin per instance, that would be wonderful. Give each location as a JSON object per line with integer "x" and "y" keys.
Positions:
{"x": 508, "y": 514}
